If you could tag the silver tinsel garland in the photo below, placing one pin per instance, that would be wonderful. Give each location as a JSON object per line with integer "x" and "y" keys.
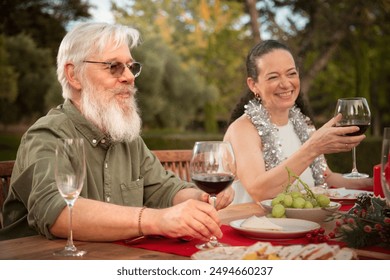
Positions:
{"x": 272, "y": 148}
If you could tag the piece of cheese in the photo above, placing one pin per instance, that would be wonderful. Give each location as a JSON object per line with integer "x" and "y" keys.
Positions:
{"x": 255, "y": 222}
{"x": 324, "y": 252}
{"x": 290, "y": 252}
{"x": 345, "y": 254}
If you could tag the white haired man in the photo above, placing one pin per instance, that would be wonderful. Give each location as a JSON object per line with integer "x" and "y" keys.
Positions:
{"x": 97, "y": 73}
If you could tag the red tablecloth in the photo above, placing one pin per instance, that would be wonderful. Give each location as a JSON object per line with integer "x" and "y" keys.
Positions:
{"x": 230, "y": 236}
{"x": 346, "y": 207}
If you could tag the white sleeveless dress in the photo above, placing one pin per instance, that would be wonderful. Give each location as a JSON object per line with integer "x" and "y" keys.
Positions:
{"x": 290, "y": 143}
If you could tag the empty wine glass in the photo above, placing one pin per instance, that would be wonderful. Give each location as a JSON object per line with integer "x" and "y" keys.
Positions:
{"x": 355, "y": 112}
{"x": 385, "y": 164}
{"x": 69, "y": 175}
{"x": 212, "y": 169}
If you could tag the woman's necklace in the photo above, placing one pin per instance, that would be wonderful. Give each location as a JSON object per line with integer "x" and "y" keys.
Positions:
{"x": 272, "y": 147}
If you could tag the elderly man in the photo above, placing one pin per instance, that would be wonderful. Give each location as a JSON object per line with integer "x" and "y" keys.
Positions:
{"x": 97, "y": 73}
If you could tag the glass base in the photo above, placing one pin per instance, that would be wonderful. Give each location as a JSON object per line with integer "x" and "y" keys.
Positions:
{"x": 210, "y": 245}
{"x": 70, "y": 252}
{"x": 355, "y": 175}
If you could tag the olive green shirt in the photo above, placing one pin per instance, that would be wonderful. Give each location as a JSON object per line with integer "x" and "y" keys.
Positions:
{"x": 125, "y": 173}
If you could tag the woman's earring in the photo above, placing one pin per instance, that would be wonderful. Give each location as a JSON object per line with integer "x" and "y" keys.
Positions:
{"x": 258, "y": 98}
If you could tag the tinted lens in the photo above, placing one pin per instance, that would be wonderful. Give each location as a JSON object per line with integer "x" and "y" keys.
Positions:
{"x": 117, "y": 69}
{"x": 135, "y": 68}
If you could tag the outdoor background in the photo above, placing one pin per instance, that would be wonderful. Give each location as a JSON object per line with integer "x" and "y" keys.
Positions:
{"x": 193, "y": 55}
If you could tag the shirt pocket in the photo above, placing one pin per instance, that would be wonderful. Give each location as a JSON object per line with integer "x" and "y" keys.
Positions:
{"x": 133, "y": 193}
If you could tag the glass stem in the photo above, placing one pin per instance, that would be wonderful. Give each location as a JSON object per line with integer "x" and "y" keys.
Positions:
{"x": 69, "y": 243}
{"x": 354, "y": 169}
{"x": 213, "y": 201}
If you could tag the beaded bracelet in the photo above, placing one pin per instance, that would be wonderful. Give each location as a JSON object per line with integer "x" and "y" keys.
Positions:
{"x": 139, "y": 221}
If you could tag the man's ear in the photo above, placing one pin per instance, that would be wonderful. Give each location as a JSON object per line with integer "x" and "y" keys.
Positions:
{"x": 71, "y": 76}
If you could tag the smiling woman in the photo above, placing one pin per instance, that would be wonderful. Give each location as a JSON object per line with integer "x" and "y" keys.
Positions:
{"x": 279, "y": 135}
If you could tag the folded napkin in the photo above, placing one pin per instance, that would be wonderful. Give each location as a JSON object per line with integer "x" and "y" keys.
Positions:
{"x": 263, "y": 222}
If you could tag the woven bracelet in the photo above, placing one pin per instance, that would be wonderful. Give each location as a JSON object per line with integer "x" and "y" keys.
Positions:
{"x": 139, "y": 221}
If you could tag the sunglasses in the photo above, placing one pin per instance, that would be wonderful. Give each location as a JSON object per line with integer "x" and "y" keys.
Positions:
{"x": 117, "y": 68}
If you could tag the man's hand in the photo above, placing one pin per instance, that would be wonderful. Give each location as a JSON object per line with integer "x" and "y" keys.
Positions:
{"x": 191, "y": 218}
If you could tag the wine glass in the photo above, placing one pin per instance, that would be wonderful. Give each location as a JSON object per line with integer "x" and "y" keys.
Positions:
{"x": 385, "y": 164}
{"x": 69, "y": 176}
{"x": 355, "y": 112}
{"x": 212, "y": 169}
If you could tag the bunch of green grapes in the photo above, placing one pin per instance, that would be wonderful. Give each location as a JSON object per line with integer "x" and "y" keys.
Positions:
{"x": 298, "y": 195}
{"x": 297, "y": 200}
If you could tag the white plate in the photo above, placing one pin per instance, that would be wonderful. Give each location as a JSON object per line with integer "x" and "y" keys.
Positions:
{"x": 346, "y": 194}
{"x": 292, "y": 228}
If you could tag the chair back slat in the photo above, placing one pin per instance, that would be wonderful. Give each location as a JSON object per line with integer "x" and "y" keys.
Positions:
{"x": 177, "y": 161}
{"x": 5, "y": 180}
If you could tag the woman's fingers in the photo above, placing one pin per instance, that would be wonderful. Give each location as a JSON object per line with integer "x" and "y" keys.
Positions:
{"x": 224, "y": 198}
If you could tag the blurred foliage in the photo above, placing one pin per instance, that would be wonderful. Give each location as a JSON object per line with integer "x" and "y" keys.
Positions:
{"x": 43, "y": 20}
{"x": 8, "y": 76}
{"x": 339, "y": 46}
{"x": 36, "y": 77}
{"x": 194, "y": 52}
{"x": 205, "y": 35}
{"x": 342, "y": 50}
{"x": 30, "y": 33}
{"x": 165, "y": 140}
{"x": 169, "y": 93}
{"x": 368, "y": 152}
{"x": 8, "y": 146}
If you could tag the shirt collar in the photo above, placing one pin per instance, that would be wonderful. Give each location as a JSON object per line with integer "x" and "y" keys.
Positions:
{"x": 94, "y": 135}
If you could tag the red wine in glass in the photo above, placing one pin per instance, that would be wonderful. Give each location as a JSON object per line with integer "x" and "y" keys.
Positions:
{"x": 213, "y": 184}
{"x": 355, "y": 112}
{"x": 212, "y": 169}
{"x": 362, "y": 129}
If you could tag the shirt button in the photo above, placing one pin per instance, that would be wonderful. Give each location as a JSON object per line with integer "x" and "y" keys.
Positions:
{"x": 103, "y": 141}
{"x": 94, "y": 141}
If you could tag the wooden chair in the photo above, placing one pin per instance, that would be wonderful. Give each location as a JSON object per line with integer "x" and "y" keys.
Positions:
{"x": 178, "y": 161}
{"x": 5, "y": 180}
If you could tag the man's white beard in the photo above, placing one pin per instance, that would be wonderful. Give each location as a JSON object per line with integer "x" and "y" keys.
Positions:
{"x": 120, "y": 122}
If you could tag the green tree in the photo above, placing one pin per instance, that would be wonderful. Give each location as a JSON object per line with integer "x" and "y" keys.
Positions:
{"x": 170, "y": 94}
{"x": 30, "y": 33}
{"x": 339, "y": 45}
{"x": 36, "y": 77}
{"x": 8, "y": 76}
{"x": 346, "y": 34}
{"x": 8, "y": 83}
{"x": 44, "y": 21}
{"x": 206, "y": 36}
